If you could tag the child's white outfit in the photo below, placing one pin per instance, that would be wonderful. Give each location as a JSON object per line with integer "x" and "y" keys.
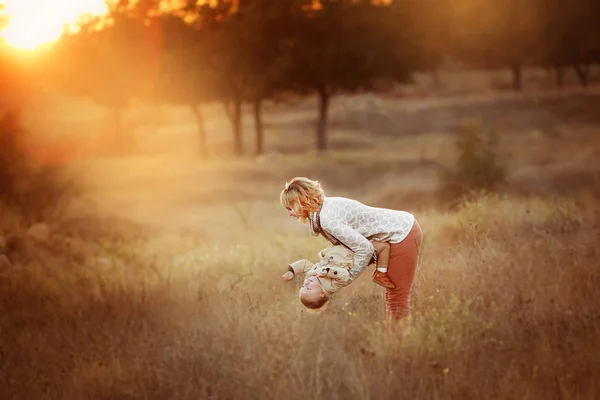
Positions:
{"x": 336, "y": 261}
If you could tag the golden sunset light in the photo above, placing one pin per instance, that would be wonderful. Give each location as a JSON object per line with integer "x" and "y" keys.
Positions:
{"x": 33, "y": 23}
{"x": 299, "y": 199}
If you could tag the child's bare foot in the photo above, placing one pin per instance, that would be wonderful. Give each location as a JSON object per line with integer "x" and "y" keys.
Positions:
{"x": 382, "y": 279}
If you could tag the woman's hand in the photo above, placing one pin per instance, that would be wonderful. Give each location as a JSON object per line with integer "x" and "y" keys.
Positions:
{"x": 288, "y": 276}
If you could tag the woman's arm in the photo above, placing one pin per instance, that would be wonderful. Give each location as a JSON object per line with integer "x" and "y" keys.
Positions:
{"x": 363, "y": 249}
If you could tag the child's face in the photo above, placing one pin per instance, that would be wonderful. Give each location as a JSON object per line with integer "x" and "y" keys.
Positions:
{"x": 311, "y": 289}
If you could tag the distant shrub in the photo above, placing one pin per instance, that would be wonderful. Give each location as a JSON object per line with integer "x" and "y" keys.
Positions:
{"x": 478, "y": 166}
{"x": 35, "y": 190}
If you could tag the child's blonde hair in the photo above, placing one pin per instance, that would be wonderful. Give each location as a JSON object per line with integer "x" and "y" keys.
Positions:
{"x": 304, "y": 192}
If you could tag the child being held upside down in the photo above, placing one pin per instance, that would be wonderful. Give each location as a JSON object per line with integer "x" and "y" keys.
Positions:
{"x": 331, "y": 273}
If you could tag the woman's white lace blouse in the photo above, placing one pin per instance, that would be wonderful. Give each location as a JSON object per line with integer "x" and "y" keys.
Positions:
{"x": 354, "y": 224}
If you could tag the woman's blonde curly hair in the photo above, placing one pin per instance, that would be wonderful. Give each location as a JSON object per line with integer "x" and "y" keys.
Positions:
{"x": 304, "y": 194}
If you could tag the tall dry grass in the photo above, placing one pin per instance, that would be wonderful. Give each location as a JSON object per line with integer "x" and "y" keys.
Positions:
{"x": 507, "y": 307}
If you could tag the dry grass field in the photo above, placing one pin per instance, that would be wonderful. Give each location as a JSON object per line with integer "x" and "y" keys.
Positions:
{"x": 162, "y": 279}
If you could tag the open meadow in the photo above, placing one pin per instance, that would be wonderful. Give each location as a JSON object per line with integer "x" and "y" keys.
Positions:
{"x": 161, "y": 279}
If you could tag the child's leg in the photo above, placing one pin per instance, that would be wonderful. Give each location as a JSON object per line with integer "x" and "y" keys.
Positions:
{"x": 380, "y": 275}
{"x": 383, "y": 255}
{"x": 383, "y": 259}
{"x": 382, "y": 279}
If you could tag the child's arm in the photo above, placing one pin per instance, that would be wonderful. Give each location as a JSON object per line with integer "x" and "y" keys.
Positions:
{"x": 383, "y": 253}
{"x": 295, "y": 268}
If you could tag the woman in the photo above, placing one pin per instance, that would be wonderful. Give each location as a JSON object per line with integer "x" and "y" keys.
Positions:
{"x": 354, "y": 224}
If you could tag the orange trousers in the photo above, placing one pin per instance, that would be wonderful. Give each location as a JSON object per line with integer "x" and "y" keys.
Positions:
{"x": 404, "y": 258}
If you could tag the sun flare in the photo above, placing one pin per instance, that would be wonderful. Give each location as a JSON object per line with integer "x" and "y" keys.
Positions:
{"x": 32, "y": 23}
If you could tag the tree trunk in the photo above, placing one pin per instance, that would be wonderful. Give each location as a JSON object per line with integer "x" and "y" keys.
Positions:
{"x": 435, "y": 78}
{"x": 236, "y": 115}
{"x": 202, "y": 148}
{"x": 583, "y": 73}
{"x": 559, "y": 76}
{"x": 324, "y": 98}
{"x": 517, "y": 76}
{"x": 258, "y": 126}
{"x": 228, "y": 110}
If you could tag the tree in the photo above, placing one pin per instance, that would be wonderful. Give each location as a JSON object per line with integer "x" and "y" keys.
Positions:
{"x": 497, "y": 34}
{"x": 243, "y": 49}
{"x": 569, "y": 37}
{"x": 184, "y": 76}
{"x": 345, "y": 46}
{"x": 112, "y": 65}
{"x": 264, "y": 29}
{"x": 425, "y": 32}
{"x": 227, "y": 56}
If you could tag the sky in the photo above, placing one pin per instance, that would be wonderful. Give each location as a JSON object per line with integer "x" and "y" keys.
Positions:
{"x": 32, "y": 23}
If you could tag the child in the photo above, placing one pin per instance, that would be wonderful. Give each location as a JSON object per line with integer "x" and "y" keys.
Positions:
{"x": 331, "y": 273}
